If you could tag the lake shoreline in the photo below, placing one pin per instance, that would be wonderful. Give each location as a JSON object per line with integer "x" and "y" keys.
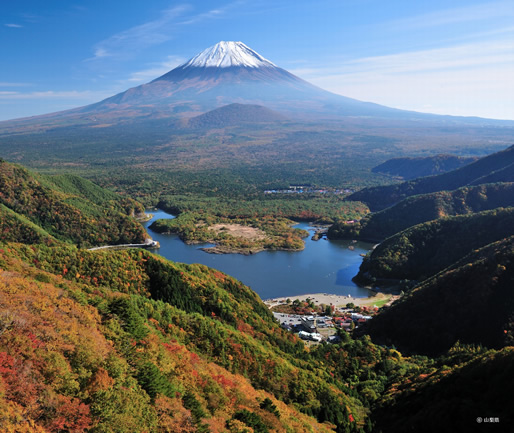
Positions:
{"x": 322, "y": 266}
{"x": 338, "y": 301}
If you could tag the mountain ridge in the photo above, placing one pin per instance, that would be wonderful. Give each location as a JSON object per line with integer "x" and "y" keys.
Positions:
{"x": 497, "y": 167}
{"x": 414, "y": 167}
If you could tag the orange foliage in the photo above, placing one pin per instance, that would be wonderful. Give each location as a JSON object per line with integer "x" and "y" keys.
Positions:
{"x": 100, "y": 381}
{"x": 173, "y": 417}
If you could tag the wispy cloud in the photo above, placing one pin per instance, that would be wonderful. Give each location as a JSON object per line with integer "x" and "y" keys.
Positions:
{"x": 137, "y": 38}
{"x": 127, "y": 43}
{"x": 488, "y": 53}
{"x": 467, "y": 79}
{"x": 477, "y": 12}
{"x": 13, "y": 26}
{"x": 86, "y": 95}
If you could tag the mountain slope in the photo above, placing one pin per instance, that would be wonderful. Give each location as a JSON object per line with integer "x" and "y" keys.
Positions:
{"x": 425, "y": 249}
{"x": 411, "y": 168}
{"x": 67, "y": 208}
{"x": 328, "y": 140}
{"x": 235, "y": 114}
{"x": 472, "y": 302}
{"x": 125, "y": 363}
{"x": 447, "y": 397}
{"x": 228, "y": 72}
{"x": 498, "y": 167}
{"x": 425, "y": 207}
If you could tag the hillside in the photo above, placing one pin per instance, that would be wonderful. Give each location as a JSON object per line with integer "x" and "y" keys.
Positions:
{"x": 472, "y": 302}
{"x": 411, "y": 168}
{"x": 66, "y": 208}
{"x": 498, "y": 167}
{"x": 105, "y": 341}
{"x": 235, "y": 114}
{"x": 127, "y": 362}
{"x": 425, "y": 207}
{"x": 447, "y": 396}
{"x": 425, "y": 249}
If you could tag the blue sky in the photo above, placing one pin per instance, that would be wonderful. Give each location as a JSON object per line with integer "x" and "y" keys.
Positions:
{"x": 448, "y": 57}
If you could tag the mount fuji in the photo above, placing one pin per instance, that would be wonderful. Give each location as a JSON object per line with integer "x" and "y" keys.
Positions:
{"x": 226, "y": 73}
{"x": 230, "y": 93}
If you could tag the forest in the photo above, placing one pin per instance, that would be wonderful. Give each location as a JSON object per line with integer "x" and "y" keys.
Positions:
{"x": 425, "y": 249}
{"x": 125, "y": 338}
{"x": 377, "y": 226}
{"x": 496, "y": 167}
{"x": 105, "y": 341}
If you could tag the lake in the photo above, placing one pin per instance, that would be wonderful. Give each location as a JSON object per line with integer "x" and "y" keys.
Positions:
{"x": 322, "y": 267}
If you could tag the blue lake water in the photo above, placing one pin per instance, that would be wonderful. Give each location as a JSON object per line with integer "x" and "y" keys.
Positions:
{"x": 322, "y": 267}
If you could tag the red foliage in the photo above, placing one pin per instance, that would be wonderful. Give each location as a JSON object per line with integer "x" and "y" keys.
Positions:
{"x": 36, "y": 344}
{"x": 70, "y": 415}
{"x": 172, "y": 347}
{"x": 223, "y": 381}
{"x": 6, "y": 364}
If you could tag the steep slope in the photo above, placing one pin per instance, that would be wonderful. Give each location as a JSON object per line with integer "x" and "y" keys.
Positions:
{"x": 425, "y": 249}
{"x": 152, "y": 344}
{"x": 498, "y": 167}
{"x": 16, "y": 228}
{"x": 67, "y": 208}
{"x": 126, "y": 363}
{"x": 425, "y": 207}
{"x": 231, "y": 72}
{"x": 473, "y": 396}
{"x": 411, "y": 168}
{"x": 472, "y": 302}
{"x": 235, "y": 114}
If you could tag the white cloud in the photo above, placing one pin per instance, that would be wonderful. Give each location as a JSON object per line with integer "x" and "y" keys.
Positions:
{"x": 11, "y": 84}
{"x": 477, "y": 12}
{"x": 469, "y": 79}
{"x": 86, "y": 95}
{"x": 14, "y": 26}
{"x": 139, "y": 37}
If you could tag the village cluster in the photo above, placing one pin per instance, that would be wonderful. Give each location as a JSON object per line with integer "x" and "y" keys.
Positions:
{"x": 321, "y": 328}
{"x": 307, "y": 189}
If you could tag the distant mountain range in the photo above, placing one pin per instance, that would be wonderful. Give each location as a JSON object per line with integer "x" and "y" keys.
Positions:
{"x": 421, "y": 208}
{"x": 498, "y": 167}
{"x": 447, "y": 243}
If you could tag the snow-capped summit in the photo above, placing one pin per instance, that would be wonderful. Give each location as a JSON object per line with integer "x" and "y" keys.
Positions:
{"x": 226, "y": 54}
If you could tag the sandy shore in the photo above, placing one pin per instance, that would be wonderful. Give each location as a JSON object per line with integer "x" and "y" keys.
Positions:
{"x": 337, "y": 300}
